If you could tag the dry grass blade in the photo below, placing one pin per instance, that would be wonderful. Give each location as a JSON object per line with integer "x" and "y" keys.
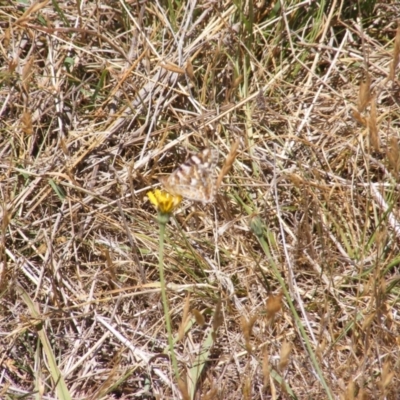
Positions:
{"x": 183, "y": 389}
{"x": 274, "y": 305}
{"x": 217, "y": 318}
{"x": 185, "y": 317}
{"x": 284, "y": 356}
{"x": 199, "y": 317}
{"x": 57, "y": 376}
{"x": 31, "y": 10}
{"x": 247, "y": 327}
{"x": 27, "y": 73}
{"x": 364, "y": 95}
{"x": 359, "y": 118}
{"x": 26, "y": 122}
{"x": 373, "y": 126}
{"x": 189, "y": 70}
{"x": 393, "y": 154}
{"x": 396, "y": 55}
{"x": 228, "y": 163}
{"x": 266, "y": 368}
{"x": 302, "y": 244}
{"x": 200, "y": 362}
{"x": 172, "y": 67}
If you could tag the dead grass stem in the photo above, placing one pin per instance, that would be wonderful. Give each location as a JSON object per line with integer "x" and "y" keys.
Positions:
{"x": 286, "y": 286}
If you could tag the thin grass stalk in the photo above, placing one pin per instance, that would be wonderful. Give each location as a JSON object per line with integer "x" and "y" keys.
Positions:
{"x": 258, "y": 230}
{"x": 163, "y": 219}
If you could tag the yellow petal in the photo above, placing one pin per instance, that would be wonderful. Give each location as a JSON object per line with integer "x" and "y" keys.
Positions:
{"x": 152, "y": 198}
{"x": 163, "y": 201}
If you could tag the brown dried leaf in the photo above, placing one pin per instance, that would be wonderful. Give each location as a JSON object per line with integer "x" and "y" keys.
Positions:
{"x": 182, "y": 385}
{"x": 296, "y": 180}
{"x": 26, "y": 121}
{"x": 111, "y": 270}
{"x": 12, "y": 65}
{"x": 320, "y": 351}
{"x": 373, "y": 126}
{"x": 368, "y": 321}
{"x": 32, "y": 9}
{"x": 64, "y": 146}
{"x": 359, "y": 118}
{"x": 199, "y": 317}
{"x": 42, "y": 248}
{"x": 189, "y": 70}
{"x": 211, "y": 394}
{"x": 284, "y": 356}
{"x": 172, "y": 67}
{"x": 61, "y": 239}
{"x": 217, "y": 319}
{"x": 274, "y": 305}
{"x": 396, "y": 55}
{"x": 362, "y": 395}
{"x": 6, "y": 38}
{"x": 266, "y": 368}
{"x": 246, "y": 388}
{"x": 185, "y": 316}
{"x": 217, "y": 52}
{"x": 364, "y": 93}
{"x": 228, "y": 162}
{"x": 4, "y": 271}
{"x": 350, "y": 390}
{"x": 387, "y": 376}
{"x": 236, "y": 82}
{"x": 247, "y": 328}
{"x": 5, "y": 220}
{"x": 27, "y": 73}
{"x": 393, "y": 154}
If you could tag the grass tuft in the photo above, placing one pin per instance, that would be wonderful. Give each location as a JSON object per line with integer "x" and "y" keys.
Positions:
{"x": 287, "y": 286}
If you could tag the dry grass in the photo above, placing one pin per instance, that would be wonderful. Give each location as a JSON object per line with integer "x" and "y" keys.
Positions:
{"x": 286, "y": 287}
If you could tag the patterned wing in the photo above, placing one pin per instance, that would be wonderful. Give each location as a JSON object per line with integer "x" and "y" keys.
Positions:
{"x": 195, "y": 178}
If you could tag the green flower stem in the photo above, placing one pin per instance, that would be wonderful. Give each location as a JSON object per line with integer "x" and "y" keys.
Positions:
{"x": 163, "y": 219}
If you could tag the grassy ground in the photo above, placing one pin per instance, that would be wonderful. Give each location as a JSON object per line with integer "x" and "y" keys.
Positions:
{"x": 287, "y": 286}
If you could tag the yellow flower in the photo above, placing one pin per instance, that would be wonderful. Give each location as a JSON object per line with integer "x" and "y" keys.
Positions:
{"x": 163, "y": 201}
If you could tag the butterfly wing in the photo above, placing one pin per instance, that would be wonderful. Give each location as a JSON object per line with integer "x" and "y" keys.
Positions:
{"x": 195, "y": 178}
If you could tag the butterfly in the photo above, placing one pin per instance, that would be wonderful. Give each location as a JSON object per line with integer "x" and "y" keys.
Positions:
{"x": 195, "y": 178}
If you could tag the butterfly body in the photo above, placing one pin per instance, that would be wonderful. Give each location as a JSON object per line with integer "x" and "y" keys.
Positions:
{"x": 195, "y": 178}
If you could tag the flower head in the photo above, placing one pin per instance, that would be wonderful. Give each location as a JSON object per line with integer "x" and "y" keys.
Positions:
{"x": 164, "y": 202}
